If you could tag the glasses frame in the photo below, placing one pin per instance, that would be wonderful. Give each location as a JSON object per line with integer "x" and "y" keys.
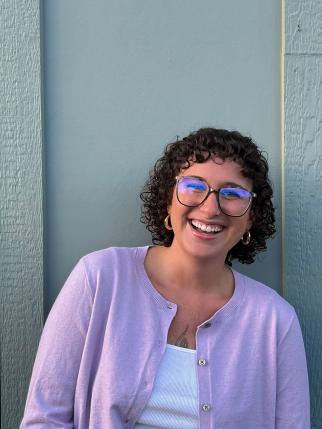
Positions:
{"x": 216, "y": 192}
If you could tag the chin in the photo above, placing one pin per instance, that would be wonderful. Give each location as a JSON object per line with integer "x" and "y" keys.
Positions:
{"x": 205, "y": 252}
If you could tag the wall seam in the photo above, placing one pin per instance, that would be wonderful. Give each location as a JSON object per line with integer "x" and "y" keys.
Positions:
{"x": 282, "y": 83}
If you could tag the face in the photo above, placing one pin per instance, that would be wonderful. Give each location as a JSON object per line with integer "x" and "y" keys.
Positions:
{"x": 187, "y": 221}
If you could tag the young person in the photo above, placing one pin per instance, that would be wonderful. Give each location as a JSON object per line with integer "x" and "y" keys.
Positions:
{"x": 170, "y": 336}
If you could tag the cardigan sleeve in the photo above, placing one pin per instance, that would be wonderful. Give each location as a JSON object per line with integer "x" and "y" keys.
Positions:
{"x": 51, "y": 393}
{"x": 292, "y": 396}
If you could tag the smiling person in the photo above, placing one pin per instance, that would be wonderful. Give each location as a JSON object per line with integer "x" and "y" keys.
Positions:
{"x": 170, "y": 336}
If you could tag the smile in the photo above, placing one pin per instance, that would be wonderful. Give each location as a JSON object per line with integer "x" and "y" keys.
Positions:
{"x": 196, "y": 224}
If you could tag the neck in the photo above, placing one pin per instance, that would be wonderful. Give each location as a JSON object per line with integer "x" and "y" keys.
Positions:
{"x": 194, "y": 274}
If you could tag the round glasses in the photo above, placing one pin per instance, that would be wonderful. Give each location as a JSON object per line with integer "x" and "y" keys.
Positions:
{"x": 232, "y": 200}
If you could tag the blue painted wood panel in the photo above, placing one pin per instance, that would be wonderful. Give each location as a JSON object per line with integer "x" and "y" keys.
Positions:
{"x": 21, "y": 221}
{"x": 303, "y": 181}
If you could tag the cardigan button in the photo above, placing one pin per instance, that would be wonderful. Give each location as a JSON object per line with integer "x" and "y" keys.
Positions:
{"x": 207, "y": 325}
{"x": 202, "y": 362}
{"x": 205, "y": 407}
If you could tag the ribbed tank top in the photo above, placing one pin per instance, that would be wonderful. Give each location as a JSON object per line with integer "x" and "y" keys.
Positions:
{"x": 173, "y": 403}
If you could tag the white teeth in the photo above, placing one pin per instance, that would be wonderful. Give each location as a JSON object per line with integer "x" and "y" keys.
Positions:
{"x": 206, "y": 228}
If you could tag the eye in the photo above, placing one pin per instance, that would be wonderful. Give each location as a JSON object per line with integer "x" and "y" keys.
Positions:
{"x": 193, "y": 185}
{"x": 234, "y": 193}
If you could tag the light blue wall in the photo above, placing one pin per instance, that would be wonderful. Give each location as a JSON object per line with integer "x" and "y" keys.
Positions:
{"x": 124, "y": 78}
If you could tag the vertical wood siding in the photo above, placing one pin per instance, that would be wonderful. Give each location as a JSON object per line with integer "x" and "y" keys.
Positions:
{"x": 21, "y": 272}
{"x": 303, "y": 180}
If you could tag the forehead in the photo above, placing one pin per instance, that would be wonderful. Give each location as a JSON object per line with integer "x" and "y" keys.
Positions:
{"x": 218, "y": 172}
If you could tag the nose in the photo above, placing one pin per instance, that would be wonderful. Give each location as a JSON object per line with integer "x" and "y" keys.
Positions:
{"x": 210, "y": 207}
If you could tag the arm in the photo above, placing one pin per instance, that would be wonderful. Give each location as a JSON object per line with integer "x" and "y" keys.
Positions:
{"x": 292, "y": 400}
{"x": 51, "y": 393}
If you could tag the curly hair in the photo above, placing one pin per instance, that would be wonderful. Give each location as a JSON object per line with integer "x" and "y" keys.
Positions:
{"x": 198, "y": 147}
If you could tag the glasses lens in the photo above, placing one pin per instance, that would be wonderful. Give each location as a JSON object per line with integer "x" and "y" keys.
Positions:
{"x": 191, "y": 191}
{"x": 234, "y": 201}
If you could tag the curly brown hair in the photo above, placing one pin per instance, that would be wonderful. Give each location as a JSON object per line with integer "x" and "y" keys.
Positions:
{"x": 199, "y": 146}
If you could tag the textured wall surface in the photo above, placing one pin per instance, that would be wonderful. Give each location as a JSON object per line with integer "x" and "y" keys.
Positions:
{"x": 303, "y": 181}
{"x": 20, "y": 202}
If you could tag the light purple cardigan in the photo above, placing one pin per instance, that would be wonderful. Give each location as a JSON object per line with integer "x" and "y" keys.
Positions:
{"x": 104, "y": 338}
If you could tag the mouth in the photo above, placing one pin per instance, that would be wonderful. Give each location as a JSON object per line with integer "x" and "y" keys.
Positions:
{"x": 209, "y": 229}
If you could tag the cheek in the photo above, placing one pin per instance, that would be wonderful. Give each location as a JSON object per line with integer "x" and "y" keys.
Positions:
{"x": 178, "y": 214}
{"x": 241, "y": 226}
{"x": 245, "y": 222}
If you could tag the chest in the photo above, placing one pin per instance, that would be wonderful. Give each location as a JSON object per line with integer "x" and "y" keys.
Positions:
{"x": 183, "y": 328}
{"x": 124, "y": 361}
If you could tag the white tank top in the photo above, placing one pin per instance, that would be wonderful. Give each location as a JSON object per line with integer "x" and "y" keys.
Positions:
{"x": 173, "y": 403}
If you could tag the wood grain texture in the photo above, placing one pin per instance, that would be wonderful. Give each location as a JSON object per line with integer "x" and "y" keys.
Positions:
{"x": 303, "y": 26}
{"x": 303, "y": 209}
{"x": 21, "y": 266}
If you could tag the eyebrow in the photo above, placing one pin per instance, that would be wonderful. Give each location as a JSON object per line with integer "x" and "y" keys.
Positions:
{"x": 232, "y": 184}
{"x": 235, "y": 185}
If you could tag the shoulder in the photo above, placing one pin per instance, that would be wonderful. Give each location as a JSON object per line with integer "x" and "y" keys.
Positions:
{"x": 260, "y": 294}
{"x": 106, "y": 265}
{"x": 113, "y": 259}
{"x": 99, "y": 258}
{"x": 264, "y": 303}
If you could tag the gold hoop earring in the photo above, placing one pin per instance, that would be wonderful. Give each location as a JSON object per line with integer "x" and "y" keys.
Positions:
{"x": 246, "y": 238}
{"x": 167, "y": 223}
